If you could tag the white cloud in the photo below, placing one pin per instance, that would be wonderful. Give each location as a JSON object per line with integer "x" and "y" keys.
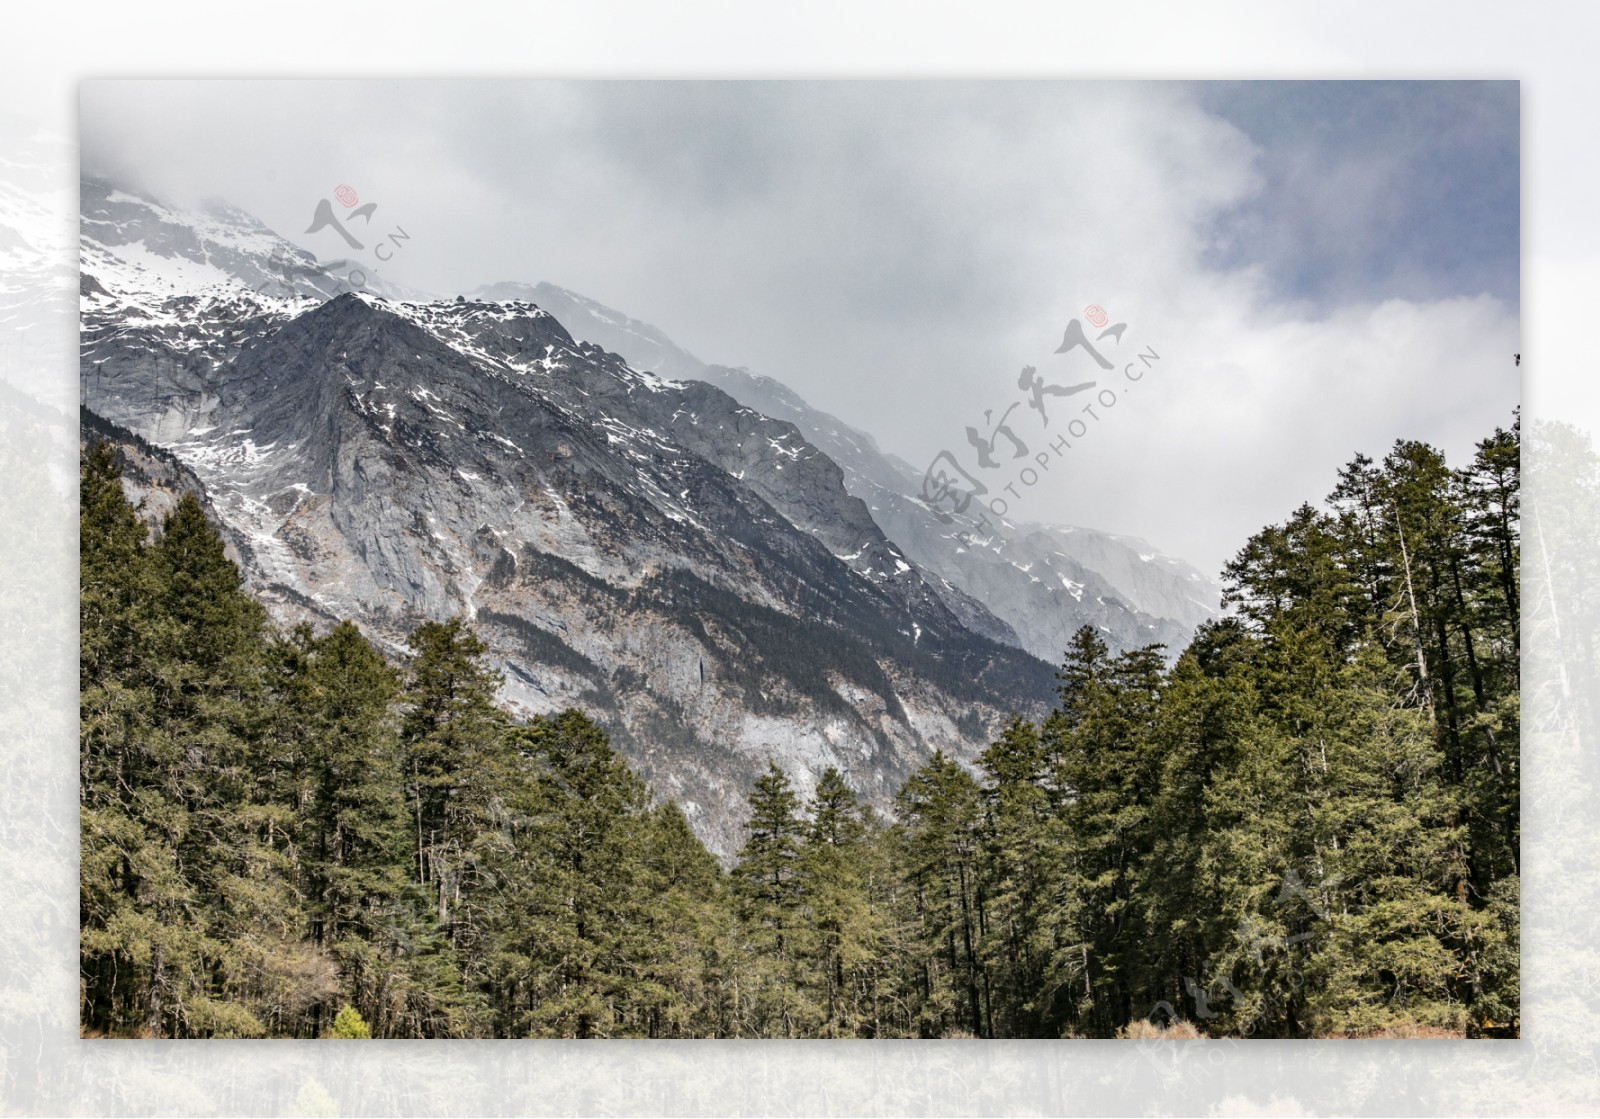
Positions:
{"x": 1251, "y": 412}
{"x": 893, "y": 251}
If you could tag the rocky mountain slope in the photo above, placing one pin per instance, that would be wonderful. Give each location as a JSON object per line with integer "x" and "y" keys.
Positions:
{"x": 690, "y": 569}
{"x": 1042, "y": 581}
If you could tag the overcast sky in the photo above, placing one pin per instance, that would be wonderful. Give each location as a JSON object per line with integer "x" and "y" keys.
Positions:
{"x": 1321, "y": 267}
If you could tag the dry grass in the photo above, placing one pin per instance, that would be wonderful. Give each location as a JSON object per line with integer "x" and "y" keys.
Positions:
{"x": 89, "y": 1033}
{"x": 1180, "y": 1029}
{"x": 1141, "y": 1029}
{"x": 1400, "y": 1031}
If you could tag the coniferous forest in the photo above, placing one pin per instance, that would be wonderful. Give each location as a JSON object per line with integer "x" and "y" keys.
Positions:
{"x": 1306, "y": 826}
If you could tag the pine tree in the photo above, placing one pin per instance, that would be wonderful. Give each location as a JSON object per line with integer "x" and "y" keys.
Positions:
{"x": 120, "y": 858}
{"x": 1488, "y": 593}
{"x": 450, "y": 738}
{"x": 1214, "y": 817}
{"x": 1101, "y": 743}
{"x": 343, "y": 775}
{"x": 573, "y": 895}
{"x": 688, "y": 924}
{"x": 348, "y": 1025}
{"x": 843, "y": 932}
{"x": 940, "y": 810}
{"x": 188, "y": 904}
{"x": 1017, "y": 874}
{"x": 767, "y": 888}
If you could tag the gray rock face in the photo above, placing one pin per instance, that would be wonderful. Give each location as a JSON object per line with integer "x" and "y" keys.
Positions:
{"x": 768, "y": 455}
{"x": 691, "y": 571}
{"x": 1041, "y": 582}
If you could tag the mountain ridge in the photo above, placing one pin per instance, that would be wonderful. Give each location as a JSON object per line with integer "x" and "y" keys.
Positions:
{"x": 1127, "y": 588}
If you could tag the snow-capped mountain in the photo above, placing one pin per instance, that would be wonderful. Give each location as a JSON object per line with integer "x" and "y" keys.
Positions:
{"x": 686, "y": 567}
{"x": 1043, "y": 582}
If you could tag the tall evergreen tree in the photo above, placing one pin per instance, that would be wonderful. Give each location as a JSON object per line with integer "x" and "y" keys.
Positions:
{"x": 1018, "y": 874}
{"x": 767, "y": 887}
{"x": 352, "y": 824}
{"x": 940, "y": 811}
{"x": 688, "y": 922}
{"x": 577, "y": 886}
{"x": 844, "y": 933}
{"x": 1101, "y": 743}
{"x": 450, "y": 737}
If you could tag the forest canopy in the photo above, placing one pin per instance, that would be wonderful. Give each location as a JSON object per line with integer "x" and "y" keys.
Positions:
{"x": 1308, "y": 825}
